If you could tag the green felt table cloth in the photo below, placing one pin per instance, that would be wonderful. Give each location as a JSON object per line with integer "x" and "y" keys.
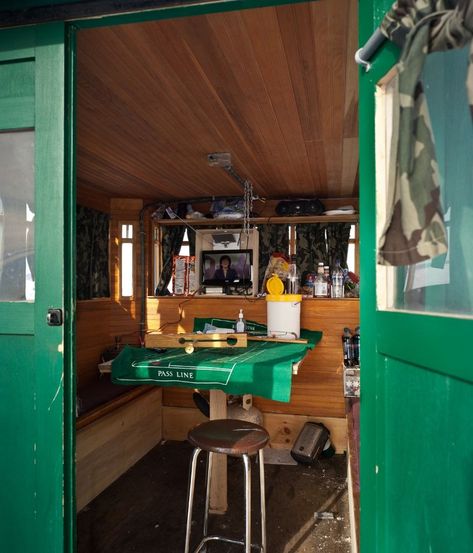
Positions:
{"x": 263, "y": 368}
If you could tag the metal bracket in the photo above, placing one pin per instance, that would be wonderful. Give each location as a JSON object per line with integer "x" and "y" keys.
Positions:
{"x": 54, "y": 317}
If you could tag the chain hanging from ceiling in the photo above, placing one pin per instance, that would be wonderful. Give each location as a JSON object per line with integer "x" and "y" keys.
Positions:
{"x": 248, "y": 206}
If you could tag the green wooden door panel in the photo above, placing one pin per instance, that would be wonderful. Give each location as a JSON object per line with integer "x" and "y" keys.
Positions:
{"x": 428, "y": 470}
{"x": 17, "y": 94}
{"x": 17, "y": 473}
{"x": 17, "y": 45}
{"x": 17, "y": 318}
{"x": 416, "y": 424}
{"x": 32, "y": 502}
{"x": 442, "y": 344}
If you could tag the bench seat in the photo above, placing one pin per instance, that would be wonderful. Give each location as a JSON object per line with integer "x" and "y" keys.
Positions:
{"x": 113, "y": 436}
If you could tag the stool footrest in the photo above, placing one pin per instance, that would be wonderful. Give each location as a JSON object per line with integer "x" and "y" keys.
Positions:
{"x": 227, "y": 540}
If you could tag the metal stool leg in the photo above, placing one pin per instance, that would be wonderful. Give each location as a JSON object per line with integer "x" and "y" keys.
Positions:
{"x": 247, "y": 463}
{"x": 207, "y": 494}
{"x": 190, "y": 497}
{"x": 262, "y": 500}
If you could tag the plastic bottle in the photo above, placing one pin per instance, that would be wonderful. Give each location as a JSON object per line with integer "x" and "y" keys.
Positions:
{"x": 347, "y": 347}
{"x": 240, "y": 325}
{"x": 320, "y": 284}
{"x": 355, "y": 345}
{"x": 329, "y": 280}
{"x": 293, "y": 279}
{"x": 337, "y": 281}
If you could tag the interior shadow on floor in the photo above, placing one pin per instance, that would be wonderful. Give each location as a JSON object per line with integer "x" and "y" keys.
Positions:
{"x": 144, "y": 510}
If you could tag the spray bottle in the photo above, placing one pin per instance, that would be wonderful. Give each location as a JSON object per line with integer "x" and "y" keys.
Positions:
{"x": 240, "y": 324}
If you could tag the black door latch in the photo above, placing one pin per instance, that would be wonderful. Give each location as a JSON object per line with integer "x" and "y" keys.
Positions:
{"x": 54, "y": 317}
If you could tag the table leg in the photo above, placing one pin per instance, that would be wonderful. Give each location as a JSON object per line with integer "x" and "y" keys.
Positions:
{"x": 218, "y": 487}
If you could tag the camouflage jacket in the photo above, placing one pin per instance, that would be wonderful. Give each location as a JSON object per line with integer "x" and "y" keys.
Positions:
{"x": 415, "y": 230}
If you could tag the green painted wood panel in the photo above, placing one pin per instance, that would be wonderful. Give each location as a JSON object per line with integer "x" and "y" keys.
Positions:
{"x": 17, "y": 94}
{"x": 31, "y": 352}
{"x": 428, "y": 469}
{"x": 416, "y": 478}
{"x": 17, "y": 459}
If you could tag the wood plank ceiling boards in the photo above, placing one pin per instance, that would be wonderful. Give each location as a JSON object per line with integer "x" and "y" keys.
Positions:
{"x": 276, "y": 87}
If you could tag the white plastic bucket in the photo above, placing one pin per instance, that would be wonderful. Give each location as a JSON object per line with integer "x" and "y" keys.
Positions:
{"x": 283, "y": 315}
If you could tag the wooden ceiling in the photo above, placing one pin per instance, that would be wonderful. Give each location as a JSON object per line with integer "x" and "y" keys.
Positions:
{"x": 277, "y": 87}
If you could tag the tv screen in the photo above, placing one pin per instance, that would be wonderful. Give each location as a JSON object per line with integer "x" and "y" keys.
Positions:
{"x": 226, "y": 266}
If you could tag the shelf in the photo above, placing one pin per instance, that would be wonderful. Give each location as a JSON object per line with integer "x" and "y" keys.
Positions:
{"x": 263, "y": 220}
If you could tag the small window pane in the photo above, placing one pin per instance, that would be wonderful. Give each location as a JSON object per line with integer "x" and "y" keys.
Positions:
{"x": 17, "y": 271}
{"x": 127, "y": 269}
{"x": 351, "y": 257}
{"x": 127, "y": 231}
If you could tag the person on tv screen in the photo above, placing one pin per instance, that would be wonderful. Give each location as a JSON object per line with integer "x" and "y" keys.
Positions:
{"x": 225, "y": 271}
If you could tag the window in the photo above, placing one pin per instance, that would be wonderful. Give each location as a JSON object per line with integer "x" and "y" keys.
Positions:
{"x": 185, "y": 248}
{"x": 443, "y": 284}
{"x": 353, "y": 249}
{"x": 126, "y": 260}
{"x": 17, "y": 221}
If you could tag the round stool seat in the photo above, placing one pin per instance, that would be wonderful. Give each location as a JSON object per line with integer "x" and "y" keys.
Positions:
{"x": 229, "y": 436}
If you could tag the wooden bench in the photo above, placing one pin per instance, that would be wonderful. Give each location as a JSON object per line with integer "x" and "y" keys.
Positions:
{"x": 113, "y": 436}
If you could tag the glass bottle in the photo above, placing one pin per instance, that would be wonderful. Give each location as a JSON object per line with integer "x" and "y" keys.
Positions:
{"x": 347, "y": 347}
{"x": 320, "y": 283}
{"x": 293, "y": 279}
{"x": 355, "y": 347}
{"x": 337, "y": 281}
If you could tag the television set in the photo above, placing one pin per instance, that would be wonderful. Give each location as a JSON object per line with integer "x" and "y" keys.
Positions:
{"x": 226, "y": 267}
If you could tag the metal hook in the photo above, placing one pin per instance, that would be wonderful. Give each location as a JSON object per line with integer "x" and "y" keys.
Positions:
{"x": 360, "y": 61}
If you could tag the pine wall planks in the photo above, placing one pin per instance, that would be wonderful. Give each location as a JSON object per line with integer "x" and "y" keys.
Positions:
{"x": 317, "y": 389}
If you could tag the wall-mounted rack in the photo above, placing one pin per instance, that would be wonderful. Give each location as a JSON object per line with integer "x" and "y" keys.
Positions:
{"x": 265, "y": 220}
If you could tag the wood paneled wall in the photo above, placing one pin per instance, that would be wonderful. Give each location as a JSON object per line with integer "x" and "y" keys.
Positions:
{"x": 100, "y": 321}
{"x": 93, "y": 336}
{"x": 317, "y": 389}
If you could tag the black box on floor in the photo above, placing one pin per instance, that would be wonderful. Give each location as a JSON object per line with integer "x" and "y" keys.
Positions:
{"x": 310, "y": 442}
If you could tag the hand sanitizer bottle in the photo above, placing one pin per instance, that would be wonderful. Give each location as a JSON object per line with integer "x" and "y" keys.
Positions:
{"x": 240, "y": 325}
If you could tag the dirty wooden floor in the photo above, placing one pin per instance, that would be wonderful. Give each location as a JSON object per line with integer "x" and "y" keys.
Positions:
{"x": 144, "y": 511}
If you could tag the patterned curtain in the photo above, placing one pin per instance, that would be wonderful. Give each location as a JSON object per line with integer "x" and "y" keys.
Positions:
{"x": 338, "y": 235}
{"x": 272, "y": 238}
{"x": 92, "y": 239}
{"x": 311, "y": 246}
{"x": 191, "y": 238}
{"x": 415, "y": 230}
{"x": 171, "y": 243}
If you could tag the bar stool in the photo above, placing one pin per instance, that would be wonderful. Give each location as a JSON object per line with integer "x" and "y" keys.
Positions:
{"x": 230, "y": 437}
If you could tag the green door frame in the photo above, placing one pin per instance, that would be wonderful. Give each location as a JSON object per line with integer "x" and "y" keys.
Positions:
{"x": 370, "y": 16}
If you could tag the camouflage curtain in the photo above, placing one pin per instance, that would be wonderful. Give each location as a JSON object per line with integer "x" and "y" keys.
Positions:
{"x": 92, "y": 238}
{"x": 311, "y": 246}
{"x": 171, "y": 243}
{"x": 415, "y": 230}
{"x": 272, "y": 238}
{"x": 338, "y": 235}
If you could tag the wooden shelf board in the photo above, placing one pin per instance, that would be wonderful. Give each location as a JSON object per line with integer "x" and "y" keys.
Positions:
{"x": 264, "y": 220}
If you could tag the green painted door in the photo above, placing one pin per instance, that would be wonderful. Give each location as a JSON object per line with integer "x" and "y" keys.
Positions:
{"x": 32, "y": 280}
{"x": 417, "y": 393}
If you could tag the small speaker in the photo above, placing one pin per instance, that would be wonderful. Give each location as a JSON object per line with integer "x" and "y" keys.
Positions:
{"x": 310, "y": 443}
